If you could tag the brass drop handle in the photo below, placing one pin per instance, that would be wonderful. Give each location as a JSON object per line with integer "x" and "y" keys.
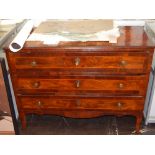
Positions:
{"x": 123, "y": 63}
{"x": 121, "y": 85}
{"x": 119, "y": 104}
{"x": 36, "y": 84}
{"x": 39, "y": 103}
{"x": 77, "y": 83}
{"x": 33, "y": 63}
{"x": 77, "y": 61}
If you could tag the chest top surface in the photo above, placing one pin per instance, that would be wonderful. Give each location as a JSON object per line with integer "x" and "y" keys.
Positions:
{"x": 130, "y": 37}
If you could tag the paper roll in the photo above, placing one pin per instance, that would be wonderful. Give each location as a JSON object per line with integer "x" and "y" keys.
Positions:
{"x": 21, "y": 37}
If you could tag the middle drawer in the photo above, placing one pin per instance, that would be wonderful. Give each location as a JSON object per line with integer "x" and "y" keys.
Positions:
{"x": 126, "y": 84}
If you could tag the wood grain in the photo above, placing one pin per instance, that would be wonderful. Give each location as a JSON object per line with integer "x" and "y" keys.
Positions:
{"x": 83, "y": 79}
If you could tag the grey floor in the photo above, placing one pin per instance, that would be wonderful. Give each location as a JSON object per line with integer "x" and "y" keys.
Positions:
{"x": 106, "y": 125}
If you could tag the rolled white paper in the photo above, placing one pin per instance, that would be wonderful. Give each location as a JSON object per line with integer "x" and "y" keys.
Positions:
{"x": 21, "y": 37}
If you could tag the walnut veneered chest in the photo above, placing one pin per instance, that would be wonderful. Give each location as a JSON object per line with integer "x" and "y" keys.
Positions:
{"x": 83, "y": 79}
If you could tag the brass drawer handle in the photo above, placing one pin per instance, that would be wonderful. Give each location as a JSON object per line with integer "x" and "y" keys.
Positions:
{"x": 119, "y": 105}
{"x": 77, "y": 83}
{"x": 121, "y": 85}
{"x": 123, "y": 63}
{"x": 39, "y": 103}
{"x": 33, "y": 63}
{"x": 36, "y": 84}
{"x": 77, "y": 61}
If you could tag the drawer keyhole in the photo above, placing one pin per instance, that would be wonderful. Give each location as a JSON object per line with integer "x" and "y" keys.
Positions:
{"x": 77, "y": 61}
{"x": 77, "y": 83}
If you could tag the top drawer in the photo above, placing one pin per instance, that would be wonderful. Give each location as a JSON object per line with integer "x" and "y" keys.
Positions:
{"x": 111, "y": 63}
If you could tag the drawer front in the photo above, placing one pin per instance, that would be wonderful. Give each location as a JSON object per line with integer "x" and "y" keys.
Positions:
{"x": 129, "y": 84}
{"x": 110, "y": 63}
{"x": 105, "y": 104}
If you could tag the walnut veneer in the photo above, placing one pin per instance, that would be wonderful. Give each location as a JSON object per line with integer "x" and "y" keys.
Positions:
{"x": 83, "y": 79}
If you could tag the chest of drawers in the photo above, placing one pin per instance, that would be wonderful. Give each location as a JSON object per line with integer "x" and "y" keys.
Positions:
{"x": 83, "y": 79}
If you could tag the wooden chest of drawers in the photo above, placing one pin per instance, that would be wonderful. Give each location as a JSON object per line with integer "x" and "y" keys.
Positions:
{"x": 83, "y": 79}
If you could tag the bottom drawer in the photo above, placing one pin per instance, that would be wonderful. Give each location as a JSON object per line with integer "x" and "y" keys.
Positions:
{"x": 44, "y": 103}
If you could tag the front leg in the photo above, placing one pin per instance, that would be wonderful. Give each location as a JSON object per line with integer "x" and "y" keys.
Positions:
{"x": 22, "y": 116}
{"x": 138, "y": 122}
